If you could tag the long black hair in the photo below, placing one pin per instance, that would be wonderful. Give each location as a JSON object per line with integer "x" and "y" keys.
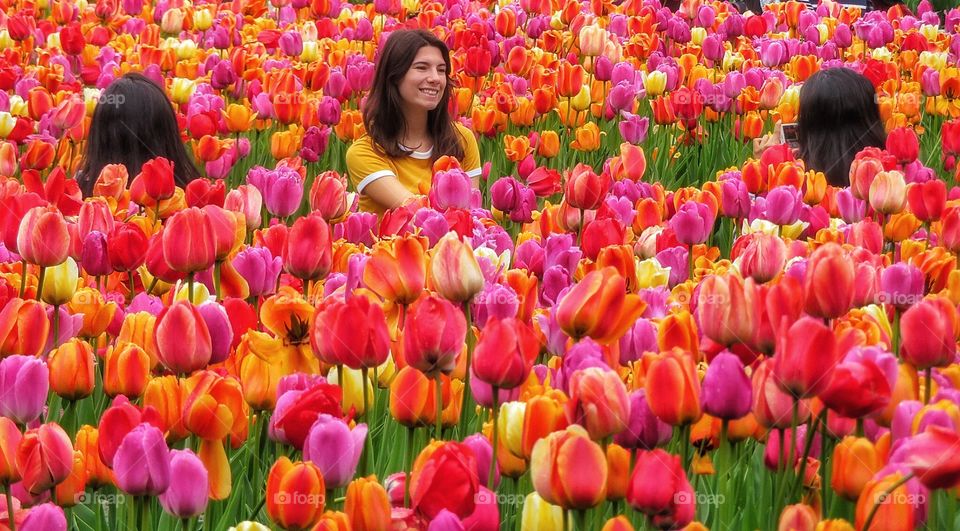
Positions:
{"x": 838, "y": 117}
{"x": 133, "y": 123}
{"x": 383, "y": 111}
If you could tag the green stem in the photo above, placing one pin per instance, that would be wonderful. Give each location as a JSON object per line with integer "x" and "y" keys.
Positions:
{"x": 366, "y": 417}
{"x": 133, "y": 286}
{"x": 43, "y": 272}
{"x": 216, "y": 278}
{"x": 928, "y": 384}
{"x": 439, "y": 427}
{"x": 882, "y": 498}
{"x": 581, "y": 516}
{"x": 807, "y": 445}
{"x": 408, "y": 464}
{"x": 190, "y": 286}
{"x": 56, "y": 326}
{"x": 10, "y": 512}
{"x": 23, "y": 278}
{"x": 493, "y": 456}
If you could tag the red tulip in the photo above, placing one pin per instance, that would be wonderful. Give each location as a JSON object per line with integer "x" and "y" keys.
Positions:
{"x": 933, "y": 457}
{"x": 444, "y": 477}
{"x": 433, "y": 335}
{"x": 127, "y": 247}
{"x": 44, "y": 457}
{"x": 182, "y": 339}
{"x": 188, "y": 244}
{"x": 927, "y": 200}
{"x": 155, "y": 181}
{"x": 929, "y": 334}
{"x": 43, "y": 238}
{"x": 828, "y": 285}
{"x": 585, "y": 189}
{"x": 806, "y": 356}
{"x": 351, "y": 332}
{"x": 309, "y": 251}
{"x": 505, "y": 353}
{"x": 903, "y": 144}
{"x": 660, "y": 489}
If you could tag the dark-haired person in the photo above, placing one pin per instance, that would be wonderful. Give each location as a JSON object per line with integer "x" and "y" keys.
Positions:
{"x": 408, "y": 124}
{"x": 133, "y": 123}
{"x": 837, "y": 118}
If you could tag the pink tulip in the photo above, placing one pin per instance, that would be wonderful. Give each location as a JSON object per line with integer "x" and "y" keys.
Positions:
{"x": 142, "y": 462}
{"x": 25, "y": 381}
{"x": 187, "y": 495}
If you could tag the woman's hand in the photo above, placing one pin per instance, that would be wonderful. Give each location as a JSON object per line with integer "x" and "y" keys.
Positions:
{"x": 767, "y": 141}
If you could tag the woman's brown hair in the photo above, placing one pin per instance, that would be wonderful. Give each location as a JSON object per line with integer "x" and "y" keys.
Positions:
{"x": 383, "y": 111}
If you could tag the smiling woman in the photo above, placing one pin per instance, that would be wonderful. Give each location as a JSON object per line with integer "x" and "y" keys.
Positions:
{"x": 408, "y": 124}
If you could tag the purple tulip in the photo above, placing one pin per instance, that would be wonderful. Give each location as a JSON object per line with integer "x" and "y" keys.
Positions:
{"x": 734, "y": 198}
{"x": 337, "y": 86}
{"x": 447, "y": 521}
{"x": 259, "y": 268}
{"x": 142, "y": 462}
{"x": 901, "y": 285}
{"x": 505, "y": 194}
{"x": 692, "y": 223}
{"x": 298, "y": 381}
{"x": 329, "y": 110}
{"x": 483, "y": 451}
{"x": 483, "y": 392}
{"x": 93, "y": 256}
{"x": 432, "y": 224}
{"x": 634, "y": 128}
{"x": 494, "y": 300}
{"x": 622, "y": 96}
{"x": 644, "y": 430}
{"x": 359, "y": 228}
{"x": 773, "y": 53}
{"x": 783, "y": 205}
{"x": 222, "y": 75}
{"x": 530, "y": 256}
{"x": 315, "y": 142}
{"x": 851, "y": 209}
{"x": 726, "y": 392}
{"x": 677, "y": 259}
{"x": 335, "y": 449}
{"x": 25, "y": 381}
{"x": 556, "y": 279}
{"x": 641, "y": 338}
{"x": 284, "y": 192}
{"x": 291, "y": 43}
{"x": 221, "y": 331}
{"x": 44, "y": 517}
{"x": 187, "y": 495}
{"x": 450, "y": 189}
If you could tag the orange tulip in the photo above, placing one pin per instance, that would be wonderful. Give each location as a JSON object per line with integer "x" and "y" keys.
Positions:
{"x": 258, "y": 375}
{"x": 396, "y": 269}
{"x": 587, "y": 137}
{"x": 69, "y": 492}
{"x": 165, "y": 394}
{"x": 549, "y": 145}
{"x": 855, "y": 461}
{"x": 333, "y": 521}
{"x": 678, "y": 330}
{"x": 238, "y": 118}
{"x": 295, "y": 494}
{"x": 125, "y": 371}
{"x": 673, "y": 387}
{"x": 97, "y": 313}
{"x": 569, "y": 470}
{"x": 9, "y": 441}
{"x": 829, "y": 282}
{"x": 71, "y": 369}
{"x": 578, "y": 315}
{"x": 798, "y": 517}
{"x": 618, "y": 465}
{"x": 138, "y": 330}
{"x": 894, "y": 511}
{"x": 544, "y": 414}
{"x": 570, "y": 79}
{"x": 98, "y": 474}
{"x": 367, "y": 505}
{"x": 23, "y": 328}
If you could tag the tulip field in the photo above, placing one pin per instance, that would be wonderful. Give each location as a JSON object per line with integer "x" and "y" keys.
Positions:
{"x": 635, "y": 323}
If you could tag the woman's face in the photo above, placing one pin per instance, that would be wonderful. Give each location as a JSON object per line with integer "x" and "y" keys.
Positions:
{"x": 423, "y": 85}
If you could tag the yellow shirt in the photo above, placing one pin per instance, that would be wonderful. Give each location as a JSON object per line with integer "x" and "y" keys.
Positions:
{"x": 366, "y": 164}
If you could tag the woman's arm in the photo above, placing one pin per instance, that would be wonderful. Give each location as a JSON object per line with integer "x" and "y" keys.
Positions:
{"x": 387, "y": 192}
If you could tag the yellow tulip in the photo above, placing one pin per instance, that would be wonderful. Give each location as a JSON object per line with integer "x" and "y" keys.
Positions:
{"x": 538, "y": 515}
{"x": 60, "y": 283}
{"x": 510, "y": 426}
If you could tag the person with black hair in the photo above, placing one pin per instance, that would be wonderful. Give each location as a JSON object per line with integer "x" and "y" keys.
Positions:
{"x": 133, "y": 123}
{"x": 838, "y": 117}
{"x": 408, "y": 123}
